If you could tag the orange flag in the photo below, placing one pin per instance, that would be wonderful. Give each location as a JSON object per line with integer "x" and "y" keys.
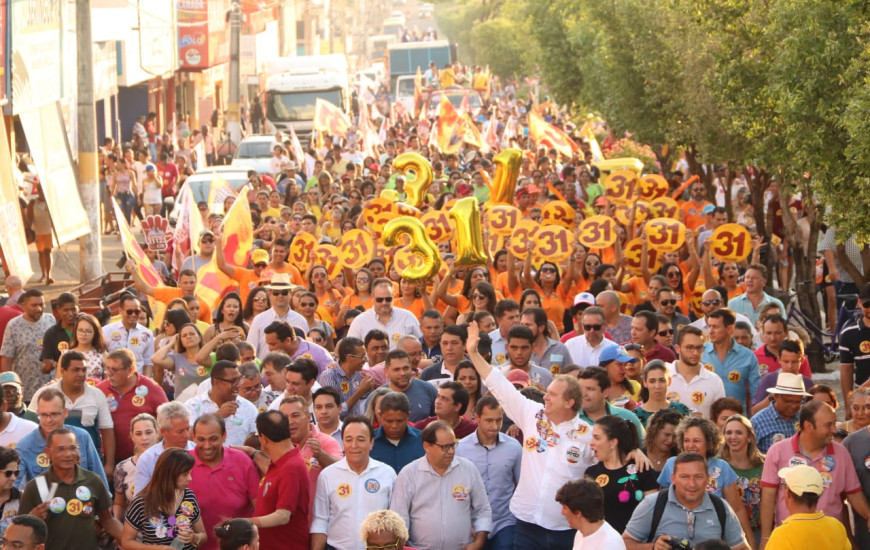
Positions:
{"x": 418, "y": 91}
{"x": 470, "y": 133}
{"x": 544, "y": 133}
{"x": 449, "y": 127}
{"x": 219, "y": 191}
{"x": 141, "y": 262}
{"x": 330, "y": 119}
{"x": 586, "y": 132}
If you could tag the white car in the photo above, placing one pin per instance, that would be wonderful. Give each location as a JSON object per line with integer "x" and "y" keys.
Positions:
{"x": 255, "y": 152}
{"x": 200, "y": 182}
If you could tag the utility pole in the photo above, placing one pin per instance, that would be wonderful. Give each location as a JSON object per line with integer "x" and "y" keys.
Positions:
{"x": 234, "y": 126}
{"x": 90, "y": 246}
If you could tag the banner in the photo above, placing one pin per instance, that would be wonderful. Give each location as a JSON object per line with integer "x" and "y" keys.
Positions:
{"x": 219, "y": 191}
{"x": 46, "y": 136}
{"x": 299, "y": 153}
{"x": 15, "y": 252}
{"x": 470, "y": 132}
{"x": 329, "y": 118}
{"x": 544, "y": 133}
{"x": 36, "y": 55}
{"x": 586, "y": 132}
{"x": 449, "y": 127}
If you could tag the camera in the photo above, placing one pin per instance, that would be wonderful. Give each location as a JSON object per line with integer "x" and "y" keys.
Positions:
{"x": 679, "y": 544}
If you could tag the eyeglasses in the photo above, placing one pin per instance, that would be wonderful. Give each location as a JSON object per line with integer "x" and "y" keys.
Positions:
{"x": 10, "y": 473}
{"x": 49, "y": 416}
{"x": 317, "y": 340}
{"x": 447, "y": 447}
{"x": 362, "y": 279}
{"x": 363, "y": 356}
{"x": 548, "y": 270}
{"x": 296, "y": 219}
{"x": 115, "y": 370}
{"x": 384, "y": 547}
{"x": 231, "y": 381}
{"x": 692, "y": 348}
{"x": 591, "y": 327}
{"x": 133, "y": 311}
{"x": 280, "y": 292}
{"x": 667, "y": 332}
{"x": 70, "y": 449}
{"x": 717, "y": 302}
{"x": 381, "y": 299}
{"x": 670, "y": 302}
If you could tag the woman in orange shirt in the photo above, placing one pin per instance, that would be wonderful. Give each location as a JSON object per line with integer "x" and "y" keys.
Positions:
{"x": 459, "y": 302}
{"x": 683, "y": 286}
{"x": 728, "y": 274}
{"x": 361, "y": 297}
{"x": 329, "y": 297}
{"x": 581, "y": 269}
{"x": 413, "y": 297}
{"x": 483, "y": 298}
{"x": 553, "y": 292}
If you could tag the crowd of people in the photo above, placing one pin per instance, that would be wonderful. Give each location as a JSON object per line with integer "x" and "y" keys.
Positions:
{"x": 522, "y": 404}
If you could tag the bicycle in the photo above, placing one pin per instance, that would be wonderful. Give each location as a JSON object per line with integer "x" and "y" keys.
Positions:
{"x": 845, "y": 316}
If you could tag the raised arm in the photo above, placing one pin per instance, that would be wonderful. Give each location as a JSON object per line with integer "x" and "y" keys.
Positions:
{"x": 528, "y": 281}
{"x": 138, "y": 281}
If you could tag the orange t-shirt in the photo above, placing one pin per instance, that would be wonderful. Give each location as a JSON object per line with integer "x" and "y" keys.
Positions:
{"x": 684, "y": 298}
{"x": 324, "y": 309}
{"x": 455, "y": 289}
{"x": 694, "y": 214}
{"x": 639, "y": 290}
{"x": 248, "y": 281}
{"x": 554, "y": 305}
{"x": 166, "y": 294}
{"x": 582, "y": 285}
{"x": 607, "y": 255}
{"x": 501, "y": 286}
{"x": 417, "y": 307}
{"x": 295, "y": 276}
{"x": 352, "y": 300}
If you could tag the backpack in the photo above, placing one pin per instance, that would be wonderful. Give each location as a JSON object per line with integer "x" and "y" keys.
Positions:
{"x": 662, "y": 501}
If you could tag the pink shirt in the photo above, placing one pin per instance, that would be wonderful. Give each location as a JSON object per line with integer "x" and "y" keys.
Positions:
{"x": 834, "y": 463}
{"x": 331, "y": 447}
{"x": 226, "y": 491}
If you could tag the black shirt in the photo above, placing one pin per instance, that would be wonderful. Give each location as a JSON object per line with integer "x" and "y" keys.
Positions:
{"x": 855, "y": 348}
{"x": 613, "y": 482}
{"x": 55, "y": 341}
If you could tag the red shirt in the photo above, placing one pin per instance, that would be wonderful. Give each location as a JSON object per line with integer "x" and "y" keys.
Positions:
{"x": 660, "y": 352}
{"x": 768, "y": 362}
{"x": 286, "y": 487}
{"x": 228, "y": 488}
{"x": 7, "y": 313}
{"x": 169, "y": 172}
{"x": 144, "y": 397}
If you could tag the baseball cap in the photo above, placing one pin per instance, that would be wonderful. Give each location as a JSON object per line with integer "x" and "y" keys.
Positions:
{"x": 515, "y": 376}
{"x": 10, "y": 378}
{"x": 601, "y": 201}
{"x": 802, "y": 479}
{"x": 615, "y": 353}
{"x": 463, "y": 188}
{"x": 709, "y": 209}
{"x": 259, "y": 256}
{"x": 150, "y": 167}
{"x": 533, "y": 189}
{"x": 205, "y": 232}
{"x": 584, "y": 298}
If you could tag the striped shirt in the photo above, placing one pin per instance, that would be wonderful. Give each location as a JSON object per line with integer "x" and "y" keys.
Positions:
{"x": 771, "y": 428}
{"x": 161, "y": 529}
{"x": 346, "y": 386}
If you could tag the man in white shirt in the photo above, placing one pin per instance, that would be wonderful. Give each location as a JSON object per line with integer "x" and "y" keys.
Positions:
{"x": 239, "y": 414}
{"x": 557, "y": 450}
{"x": 350, "y": 489}
{"x": 394, "y": 321}
{"x": 12, "y": 427}
{"x": 279, "y": 288}
{"x": 586, "y": 348}
{"x": 692, "y": 384}
{"x": 128, "y": 333}
{"x": 582, "y": 503}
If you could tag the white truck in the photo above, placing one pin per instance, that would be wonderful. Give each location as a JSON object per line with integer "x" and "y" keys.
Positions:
{"x": 293, "y": 85}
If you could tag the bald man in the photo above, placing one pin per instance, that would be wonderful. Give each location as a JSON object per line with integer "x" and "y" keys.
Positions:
{"x": 615, "y": 322}
{"x": 14, "y": 289}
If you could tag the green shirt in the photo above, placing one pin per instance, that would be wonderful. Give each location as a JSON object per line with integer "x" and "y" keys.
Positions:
{"x": 72, "y": 511}
{"x": 621, "y": 413}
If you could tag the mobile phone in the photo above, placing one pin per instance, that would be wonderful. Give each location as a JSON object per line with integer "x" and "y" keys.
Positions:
{"x": 177, "y": 543}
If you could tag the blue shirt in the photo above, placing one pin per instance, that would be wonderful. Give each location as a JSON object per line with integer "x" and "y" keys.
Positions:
{"x": 422, "y": 397}
{"x": 770, "y": 427}
{"x": 741, "y": 304}
{"x": 346, "y": 386}
{"x": 409, "y": 449}
{"x": 32, "y": 446}
{"x": 721, "y": 475}
{"x": 499, "y": 467}
{"x": 739, "y": 370}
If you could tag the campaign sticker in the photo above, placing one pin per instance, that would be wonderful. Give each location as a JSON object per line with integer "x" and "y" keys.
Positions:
{"x": 113, "y": 403}
{"x": 138, "y": 401}
{"x": 602, "y": 480}
{"x": 83, "y": 493}
{"x": 57, "y": 505}
{"x": 531, "y": 443}
{"x": 459, "y": 493}
{"x": 573, "y": 454}
{"x": 74, "y": 507}
{"x": 345, "y": 387}
{"x": 201, "y": 371}
{"x": 373, "y": 485}
{"x": 796, "y": 461}
{"x": 141, "y": 391}
{"x": 134, "y": 341}
{"x": 734, "y": 377}
{"x": 42, "y": 460}
{"x": 344, "y": 490}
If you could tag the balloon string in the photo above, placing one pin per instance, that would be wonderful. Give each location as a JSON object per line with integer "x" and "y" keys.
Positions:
{"x": 556, "y": 192}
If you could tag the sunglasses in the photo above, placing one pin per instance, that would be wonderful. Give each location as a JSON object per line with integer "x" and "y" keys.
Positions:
{"x": 673, "y": 274}
{"x": 307, "y": 304}
{"x": 387, "y": 299}
{"x": 477, "y": 297}
{"x": 592, "y": 327}
{"x": 207, "y": 241}
{"x": 667, "y": 332}
{"x": 548, "y": 270}
{"x": 716, "y": 303}
{"x": 133, "y": 311}
{"x": 280, "y": 292}
{"x": 10, "y": 473}
{"x": 670, "y": 302}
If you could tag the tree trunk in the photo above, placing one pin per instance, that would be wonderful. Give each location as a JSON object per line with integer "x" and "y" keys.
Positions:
{"x": 805, "y": 264}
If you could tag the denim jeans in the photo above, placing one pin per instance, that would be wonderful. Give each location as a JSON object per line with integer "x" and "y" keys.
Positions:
{"x": 534, "y": 537}
{"x": 503, "y": 540}
{"x": 127, "y": 202}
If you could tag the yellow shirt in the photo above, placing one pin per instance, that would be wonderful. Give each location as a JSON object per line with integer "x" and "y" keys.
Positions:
{"x": 816, "y": 531}
{"x": 447, "y": 78}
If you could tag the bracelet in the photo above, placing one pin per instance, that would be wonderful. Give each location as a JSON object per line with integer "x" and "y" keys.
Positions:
{"x": 257, "y": 451}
